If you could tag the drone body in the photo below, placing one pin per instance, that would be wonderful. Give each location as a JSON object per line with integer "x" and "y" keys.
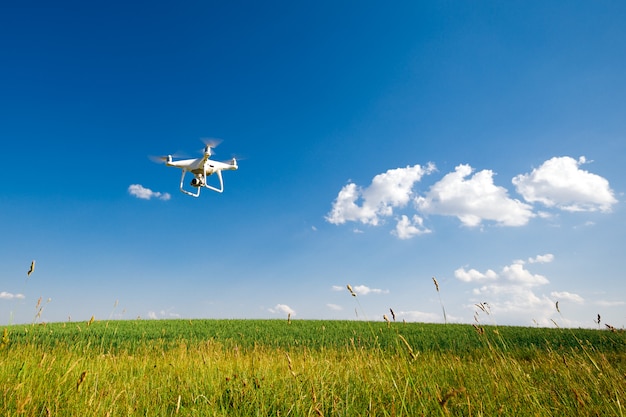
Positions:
{"x": 201, "y": 168}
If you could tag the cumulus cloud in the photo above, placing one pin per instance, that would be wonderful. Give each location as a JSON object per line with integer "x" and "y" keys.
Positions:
{"x": 517, "y": 274}
{"x": 139, "y": 191}
{"x": 559, "y": 182}
{"x": 364, "y": 290}
{"x": 389, "y": 190}
{"x": 474, "y": 199}
{"x": 334, "y": 307}
{"x": 10, "y": 296}
{"x": 360, "y": 289}
{"x": 567, "y": 296}
{"x": 407, "y": 228}
{"x": 512, "y": 292}
{"x": 475, "y": 276}
{"x": 282, "y": 308}
{"x": 542, "y": 259}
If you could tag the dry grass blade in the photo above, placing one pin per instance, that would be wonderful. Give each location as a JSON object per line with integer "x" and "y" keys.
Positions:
{"x": 452, "y": 393}
{"x": 408, "y": 347}
{"x": 290, "y": 365}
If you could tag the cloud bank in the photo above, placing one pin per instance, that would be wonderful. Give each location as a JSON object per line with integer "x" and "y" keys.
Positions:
{"x": 512, "y": 292}
{"x": 139, "y": 191}
{"x": 472, "y": 197}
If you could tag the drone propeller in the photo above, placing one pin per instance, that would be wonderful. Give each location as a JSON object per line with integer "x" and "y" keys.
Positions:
{"x": 164, "y": 158}
{"x": 209, "y": 145}
{"x": 212, "y": 142}
{"x": 157, "y": 159}
{"x": 234, "y": 159}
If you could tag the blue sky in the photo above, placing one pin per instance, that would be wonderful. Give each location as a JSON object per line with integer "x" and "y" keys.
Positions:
{"x": 481, "y": 143}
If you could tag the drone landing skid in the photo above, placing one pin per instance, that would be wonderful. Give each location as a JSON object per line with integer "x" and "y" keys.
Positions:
{"x": 203, "y": 183}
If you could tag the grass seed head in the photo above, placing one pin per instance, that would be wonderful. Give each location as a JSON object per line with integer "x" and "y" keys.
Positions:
{"x": 436, "y": 284}
{"x": 351, "y": 290}
{"x": 81, "y": 379}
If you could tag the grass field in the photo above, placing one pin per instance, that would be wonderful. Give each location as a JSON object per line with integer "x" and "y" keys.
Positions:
{"x": 308, "y": 368}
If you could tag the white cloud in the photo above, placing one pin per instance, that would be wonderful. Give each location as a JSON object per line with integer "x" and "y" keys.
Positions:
{"x": 360, "y": 289}
{"x": 542, "y": 259}
{"x": 168, "y": 313}
{"x": 9, "y": 296}
{"x": 474, "y": 200}
{"x": 364, "y": 290}
{"x": 282, "y": 308}
{"x": 559, "y": 182}
{"x": 407, "y": 228}
{"x": 389, "y": 190}
{"x": 143, "y": 193}
{"x": 334, "y": 307}
{"x": 474, "y": 276}
{"x": 471, "y": 196}
{"x": 511, "y": 293}
{"x": 420, "y": 316}
{"x": 517, "y": 274}
{"x": 568, "y": 296}
{"x": 163, "y": 314}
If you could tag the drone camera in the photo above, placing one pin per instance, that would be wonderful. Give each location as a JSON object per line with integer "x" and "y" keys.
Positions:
{"x": 196, "y": 182}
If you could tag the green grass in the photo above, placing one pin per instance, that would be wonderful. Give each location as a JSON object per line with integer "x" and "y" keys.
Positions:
{"x": 309, "y": 368}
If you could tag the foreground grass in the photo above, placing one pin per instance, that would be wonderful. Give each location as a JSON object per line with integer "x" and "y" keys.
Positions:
{"x": 271, "y": 368}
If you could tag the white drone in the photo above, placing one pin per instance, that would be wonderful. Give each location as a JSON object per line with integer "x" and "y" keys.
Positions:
{"x": 201, "y": 168}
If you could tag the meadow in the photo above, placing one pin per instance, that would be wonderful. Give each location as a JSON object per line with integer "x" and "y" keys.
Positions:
{"x": 308, "y": 368}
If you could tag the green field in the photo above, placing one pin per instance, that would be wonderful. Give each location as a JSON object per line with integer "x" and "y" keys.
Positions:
{"x": 308, "y": 368}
